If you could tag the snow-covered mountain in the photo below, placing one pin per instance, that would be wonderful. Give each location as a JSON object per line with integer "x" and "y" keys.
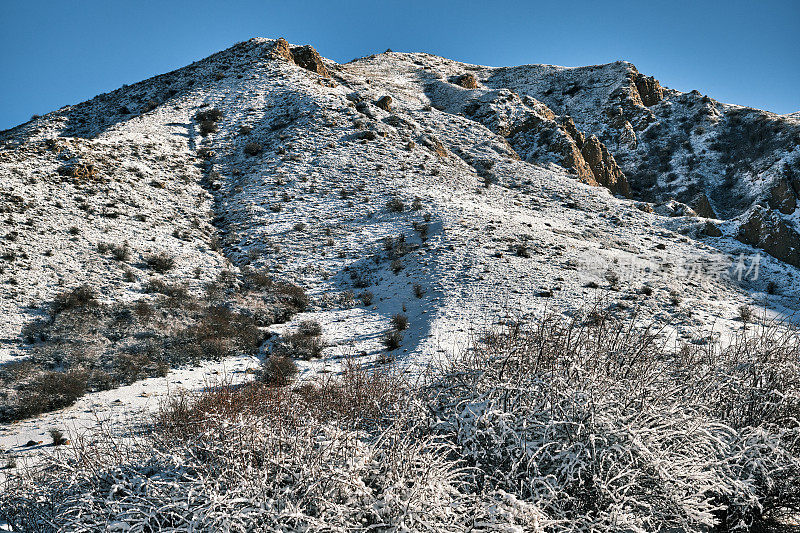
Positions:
{"x": 456, "y": 194}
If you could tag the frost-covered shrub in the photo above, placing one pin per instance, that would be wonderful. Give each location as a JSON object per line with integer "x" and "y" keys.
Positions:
{"x": 306, "y": 343}
{"x": 563, "y": 425}
{"x": 51, "y": 390}
{"x": 277, "y": 370}
{"x": 366, "y": 297}
{"x": 79, "y": 298}
{"x": 605, "y": 428}
{"x": 400, "y": 322}
{"x": 392, "y": 339}
{"x": 161, "y": 262}
{"x": 395, "y": 205}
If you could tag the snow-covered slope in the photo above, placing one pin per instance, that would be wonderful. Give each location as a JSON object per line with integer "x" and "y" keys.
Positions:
{"x": 458, "y": 195}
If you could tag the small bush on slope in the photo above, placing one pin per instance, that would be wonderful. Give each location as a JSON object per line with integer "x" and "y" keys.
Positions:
{"x": 561, "y": 426}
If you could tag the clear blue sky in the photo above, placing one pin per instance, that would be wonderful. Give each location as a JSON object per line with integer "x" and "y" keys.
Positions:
{"x": 66, "y": 51}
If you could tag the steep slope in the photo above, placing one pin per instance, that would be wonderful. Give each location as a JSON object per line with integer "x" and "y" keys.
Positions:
{"x": 399, "y": 183}
{"x": 721, "y": 160}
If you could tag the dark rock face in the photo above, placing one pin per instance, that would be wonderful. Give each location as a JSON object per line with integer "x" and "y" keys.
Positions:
{"x": 467, "y": 81}
{"x": 650, "y": 91}
{"x": 782, "y": 197}
{"x": 766, "y": 229}
{"x": 711, "y": 230}
{"x": 701, "y": 205}
{"x": 385, "y": 103}
{"x": 309, "y": 59}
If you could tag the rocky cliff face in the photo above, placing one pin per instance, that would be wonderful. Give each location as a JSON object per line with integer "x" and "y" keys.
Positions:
{"x": 720, "y": 160}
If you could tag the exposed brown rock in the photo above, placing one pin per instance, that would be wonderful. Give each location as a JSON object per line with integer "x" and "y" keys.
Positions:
{"x": 573, "y": 160}
{"x": 467, "y": 81}
{"x": 650, "y": 91}
{"x": 569, "y": 125}
{"x": 782, "y": 197}
{"x": 702, "y": 206}
{"x": 309, "y": 59}
{"x": 433, "y": 144}
{"x": 766, "y": 229}
{"x": 385, "y": 103}
{"x": 281, "y": 49}
{"x": 604, "y": 167}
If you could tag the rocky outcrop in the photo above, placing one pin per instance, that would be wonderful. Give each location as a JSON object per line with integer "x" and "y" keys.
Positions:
{"x": 766, "y": 229}
{"x": 710, "y": 229}
{"x": 308, "y": 58}
{"x": 282, "y": 50}
{"x": 385, "y": 103}
{"x": 539, "y": 135}
{"x": 782, "y": 197}
{"x": 650, "y": 91}
{"x": 605, "y": 169}
{"x": 302, "y": 56}
{"x": 702, "y": 206}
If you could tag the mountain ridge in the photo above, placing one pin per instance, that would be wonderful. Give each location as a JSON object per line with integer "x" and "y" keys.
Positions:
{"x": 456, "y": 194}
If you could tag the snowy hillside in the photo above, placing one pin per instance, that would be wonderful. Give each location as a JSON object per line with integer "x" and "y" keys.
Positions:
{"x": 456, "y": 196}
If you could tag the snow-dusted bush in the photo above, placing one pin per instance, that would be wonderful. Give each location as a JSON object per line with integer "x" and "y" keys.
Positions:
{"x": 605, "y": 429}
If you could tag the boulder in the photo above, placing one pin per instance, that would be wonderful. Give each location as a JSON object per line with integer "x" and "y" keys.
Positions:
{"x": 432, "y": 143}
{"x": 385, "y": 103}
{"x": 702, "y": 206}
{"x": 710, "y": 229}
{"x": 674, "y": 208}
{"x": 309, "y": 59}
{"x": 767, "y": 230}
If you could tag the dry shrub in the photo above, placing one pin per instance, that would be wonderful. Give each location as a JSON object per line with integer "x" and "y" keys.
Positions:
{"x": 161, "y": 262}
{"x": 564, "y": 425}
{"x": 219, "y": 333}
{"x": 50, "y": 391}
{"x": 79, "y": 298}
{"x": 278, "y": 371}
{"x": 292, "y": 295}
{"x": 306, "y": 343}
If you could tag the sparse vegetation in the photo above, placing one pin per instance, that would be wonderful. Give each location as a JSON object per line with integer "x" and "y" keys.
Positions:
{"x": 57, "y": 437}
{"x": 161, "y": 262}
{"x": 87, "y": 345}
{"x": 306, "y": 343}
{"x": 400, "y": 322}
{"x": 396, "y": 266}
{"x": 366, "y": 298}
{"x": 395, "y": 205}
{"x": 252, "y": 149}
{"x": 392, "y": 340}
{"x": 419, "y": 291}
